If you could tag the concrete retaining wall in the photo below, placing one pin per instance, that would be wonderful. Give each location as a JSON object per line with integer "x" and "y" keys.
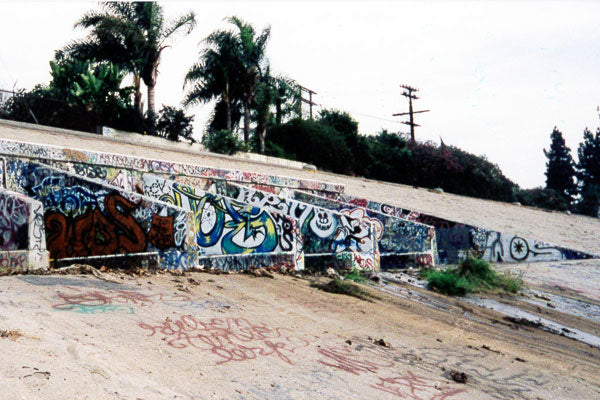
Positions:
{"x": 455, "y": 239}
{"x": 224, "y": 226}
{"x": 395, "y": 236}
{"x": 117, "y": 168}
{"x": 22, "y": 239}
{"x": 84, "y": 218}
{"x": 325, "y": 231}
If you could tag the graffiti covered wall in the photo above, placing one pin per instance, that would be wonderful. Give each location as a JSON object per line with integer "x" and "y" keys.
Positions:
{"x": 324, "y": 231}
{"x": 455, "y": 239}
{"x": 91, "y": 162}
{"x": 224, "y": 226}
{"x": 83, "y": 218}
{"x": 394, "y": 235}
{"x": 22, "y": 239}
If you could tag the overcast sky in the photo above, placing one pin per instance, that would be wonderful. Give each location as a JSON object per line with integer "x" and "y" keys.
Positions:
{"x": 497, "y": 76}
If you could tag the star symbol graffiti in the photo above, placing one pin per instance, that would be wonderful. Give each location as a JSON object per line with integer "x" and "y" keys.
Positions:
{"x": 518, "y": 247}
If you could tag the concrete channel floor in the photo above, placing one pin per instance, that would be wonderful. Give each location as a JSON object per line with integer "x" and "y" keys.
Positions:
{"x": 204, "y": 336}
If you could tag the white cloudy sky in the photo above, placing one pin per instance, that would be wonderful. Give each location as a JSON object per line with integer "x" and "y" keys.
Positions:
{"x": 497, "y": 76}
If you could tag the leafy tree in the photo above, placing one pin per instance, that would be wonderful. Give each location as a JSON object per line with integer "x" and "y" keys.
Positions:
{"x": 174, "y": 124}
{"x": 388, "y": 156}
{"x": 543, "y": 198}
{"x": 560, "y": 168}
{"x": 81, "y": 95}
{"x": 132, "y": 35}
{"x": 312, "y": 142}
{"x": 223, "y": 141}
{"x": 588, "y": 173}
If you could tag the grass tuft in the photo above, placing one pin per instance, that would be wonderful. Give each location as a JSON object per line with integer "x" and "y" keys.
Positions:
{"x": 472, "y": 275}
{"x": 355, "y": 276}
{"x": 347, "y": 288}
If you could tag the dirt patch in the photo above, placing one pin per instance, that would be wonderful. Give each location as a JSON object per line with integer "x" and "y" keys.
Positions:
{"x": 12, "y": 335}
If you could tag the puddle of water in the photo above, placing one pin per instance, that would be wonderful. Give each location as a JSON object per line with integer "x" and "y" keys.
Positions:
{"x": 568, "y": 306}
{"x": 565, "y": 305}
{"x": 541, "y": 322}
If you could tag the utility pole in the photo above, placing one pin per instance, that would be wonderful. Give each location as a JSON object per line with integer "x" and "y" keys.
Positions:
{"x": 309, "y": 100}
{"x": 409, "y": 93}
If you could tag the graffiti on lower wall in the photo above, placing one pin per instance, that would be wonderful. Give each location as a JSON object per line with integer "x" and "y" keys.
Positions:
{"x": 22, "y": 227}
{"x": 394, "y": 235}
{"x": 455, "y": 239}
{"x": 283, "y": 262}
{"x": 324, "y": 231}
{"x": 85, "y": 218}
{"x": 93, "y": 162}
{"x": 225, "y": 226}
{"x": 14, "y": 221}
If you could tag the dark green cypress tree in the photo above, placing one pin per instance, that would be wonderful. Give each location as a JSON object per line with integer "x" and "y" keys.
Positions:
{"x": 589, "y": 173}
{"x": 560, "y": 168}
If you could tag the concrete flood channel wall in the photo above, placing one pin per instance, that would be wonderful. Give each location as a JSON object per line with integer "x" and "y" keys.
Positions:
{"x": 110, "y": 209}
{"x": 455, "y": 239}
{"x": 400, "y": 241}
{"x": 84, "y": 218}
{"x": 226, "y": 227}
{"x": 330, "y": 237}
{"x": 22, "y": 238}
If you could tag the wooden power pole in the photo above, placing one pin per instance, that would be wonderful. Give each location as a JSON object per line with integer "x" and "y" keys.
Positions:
{"x": 409, "y": 93}
{"x": 309, "y": 100}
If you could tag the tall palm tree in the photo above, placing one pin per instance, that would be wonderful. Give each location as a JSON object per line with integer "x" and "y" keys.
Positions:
{"x": 133, "y": 36}
{"x": 253, "y": 62}
{"x": 278, "y": 92}
{"x": 216, "y": 76}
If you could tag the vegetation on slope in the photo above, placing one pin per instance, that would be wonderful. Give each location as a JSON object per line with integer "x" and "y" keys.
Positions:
{"x": 472, "y": 275}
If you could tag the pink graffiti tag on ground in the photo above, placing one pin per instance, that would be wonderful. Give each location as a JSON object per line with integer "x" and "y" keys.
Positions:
{"x": 231, "y": 339}
{"x": 93, "y": 298}
{"x": 411, "y": 386}
{"x": 354, "y": 362}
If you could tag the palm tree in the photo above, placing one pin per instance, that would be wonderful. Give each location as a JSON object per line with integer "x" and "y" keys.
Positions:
{"x": 253, "y": 62}
{"x": 133, "y": 36}
{"x": 216, "y": 77}
{"x": 280, "y": 92}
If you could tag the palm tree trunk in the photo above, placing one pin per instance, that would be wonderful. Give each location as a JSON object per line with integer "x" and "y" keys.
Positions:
{"x": 278, "y": 115}
{"x": 228, "y": 112}
{"x": 261, "y": 129}
{"x": 246, "y": 121}
{"x": 137, "y": 96}
{"x": 151, "y": 111}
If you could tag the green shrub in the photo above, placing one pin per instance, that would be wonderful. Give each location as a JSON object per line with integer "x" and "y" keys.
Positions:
{"x": 173, "y": 124}
{"x": 355, "y": 276}
{"x": 448, "y": 283}
{"x": 223, "y": 142}
{"x": 472, "y": 275}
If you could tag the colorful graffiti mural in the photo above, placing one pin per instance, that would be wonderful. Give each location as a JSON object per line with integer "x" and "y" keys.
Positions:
{"x": 455, "y": 239}
{"x": 85, "y": 218}
{"x": 394, "y": 235}
{"x": 94, "y": 164}
{"x": 324, "y": 231}
{"x": 224, "y": 226}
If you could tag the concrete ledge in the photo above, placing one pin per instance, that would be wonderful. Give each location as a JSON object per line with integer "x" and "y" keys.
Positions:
{"x": 23, "y": 260}
{"x": 184, "y": 148}
{"x": 242, "y": 262}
